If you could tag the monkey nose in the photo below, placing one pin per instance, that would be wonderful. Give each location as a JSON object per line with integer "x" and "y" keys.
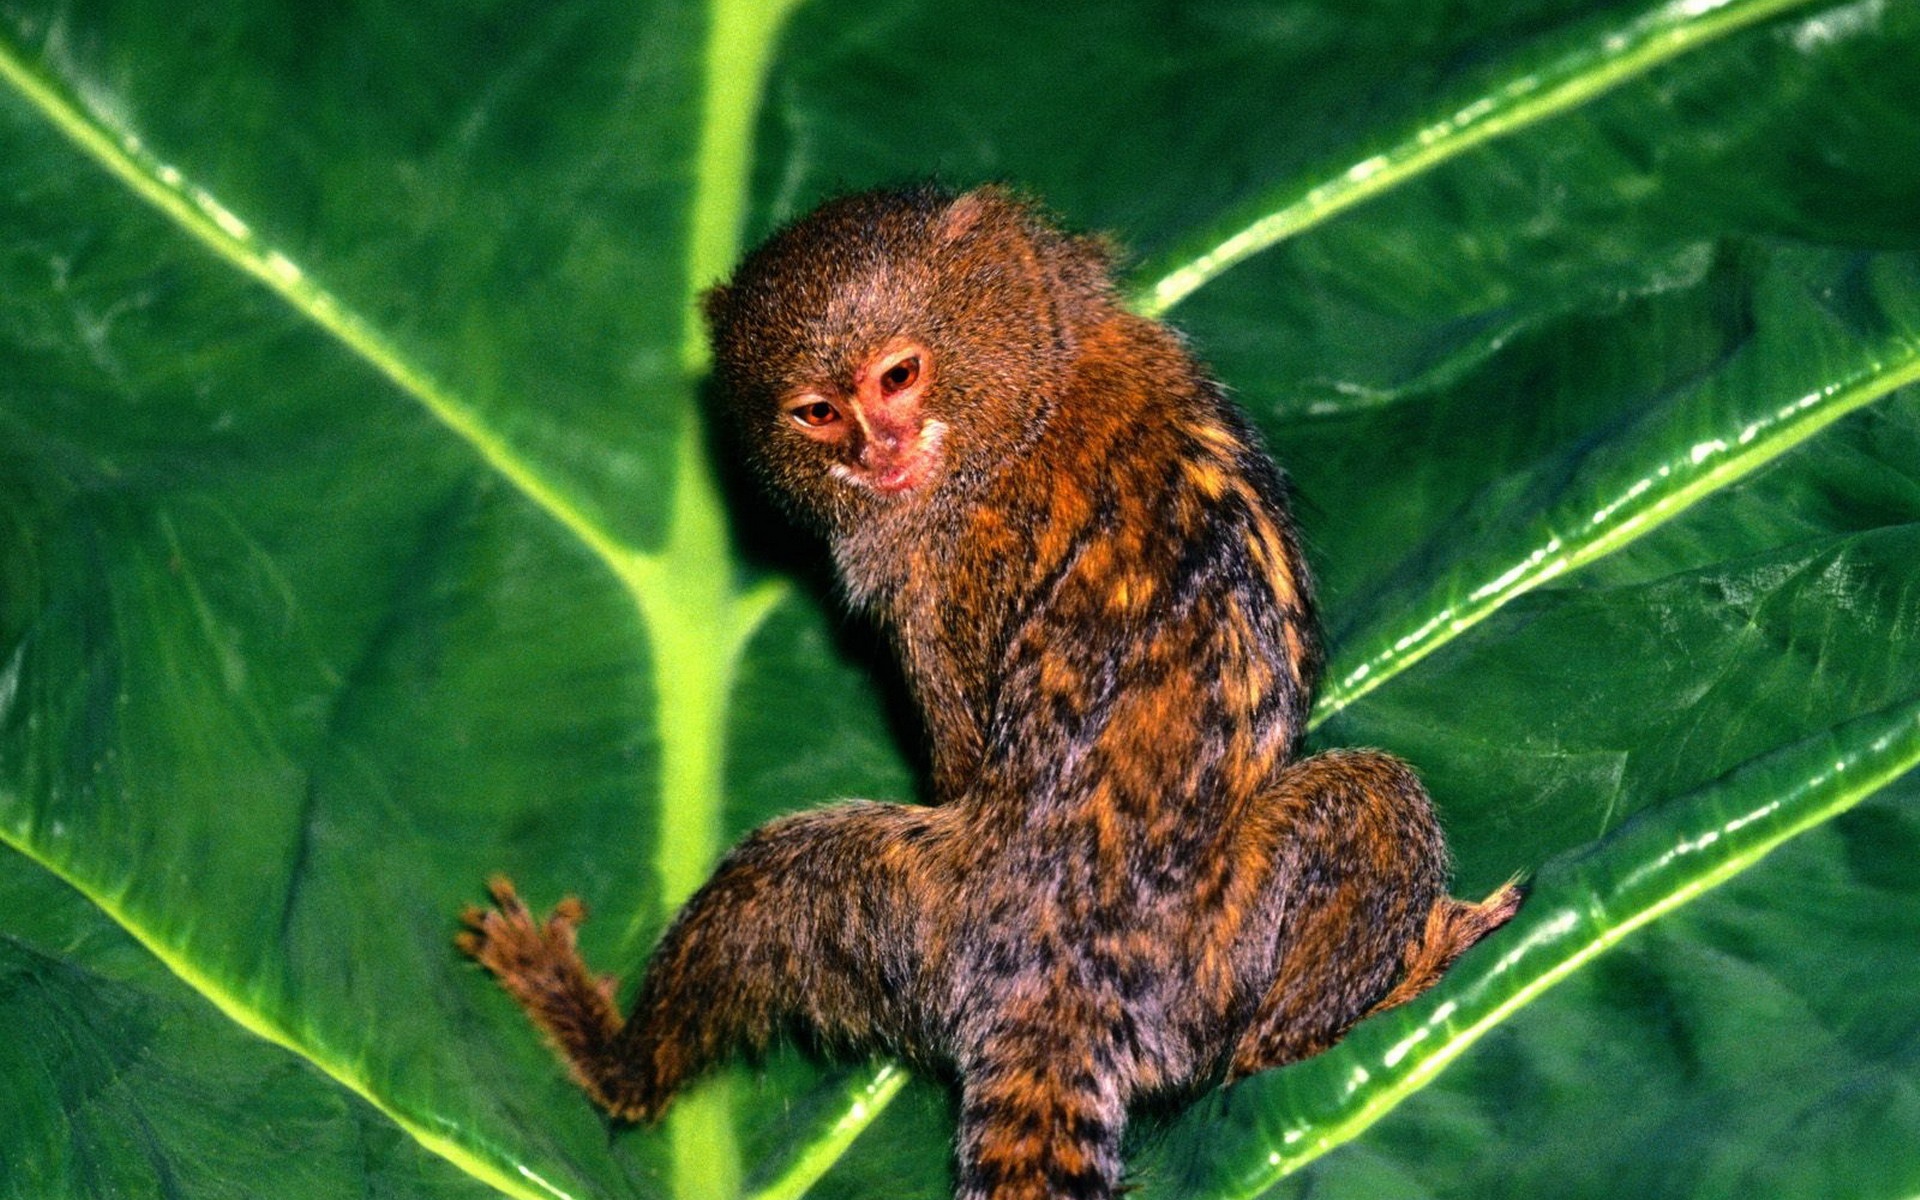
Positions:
{"x": 884, "y": 440}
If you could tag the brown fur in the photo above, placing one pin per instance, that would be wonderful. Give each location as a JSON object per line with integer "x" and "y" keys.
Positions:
{"x": 1129, "y": 883}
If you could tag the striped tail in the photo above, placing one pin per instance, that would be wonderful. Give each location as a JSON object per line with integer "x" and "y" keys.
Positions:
{"x": 1051, "y": 1133}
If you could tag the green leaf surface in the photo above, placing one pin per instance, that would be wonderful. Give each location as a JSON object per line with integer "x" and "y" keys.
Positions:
{"x": 122, "y": 1081}
{"x": 359, "y": 539}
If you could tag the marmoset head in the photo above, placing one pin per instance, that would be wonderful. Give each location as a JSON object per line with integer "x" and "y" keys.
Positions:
{"x": 893, "y": 345}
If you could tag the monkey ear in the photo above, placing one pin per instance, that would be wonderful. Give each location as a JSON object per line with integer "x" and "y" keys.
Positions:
{"x": 714, "y": 303}
{"x": 970, "y": 209}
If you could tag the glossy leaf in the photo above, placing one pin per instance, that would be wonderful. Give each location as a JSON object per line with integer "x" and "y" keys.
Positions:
{"x": 360, "y": 540}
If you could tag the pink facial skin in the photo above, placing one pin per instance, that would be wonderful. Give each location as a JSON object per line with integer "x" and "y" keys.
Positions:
{"x": 887, "y": 444}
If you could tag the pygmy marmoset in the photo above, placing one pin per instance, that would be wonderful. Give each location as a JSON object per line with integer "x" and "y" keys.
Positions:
{"x": 1128, "y": 882}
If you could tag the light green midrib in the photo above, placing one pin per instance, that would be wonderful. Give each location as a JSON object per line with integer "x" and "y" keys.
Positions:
{"x": 687, "y": 596}
{"x": 737, "y": 55}
{"x": 1654, "y": 38}
{"x": 735, "y": 59}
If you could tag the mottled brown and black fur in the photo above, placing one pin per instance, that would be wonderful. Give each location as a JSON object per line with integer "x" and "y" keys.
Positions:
{"x": 1129, "y": 882}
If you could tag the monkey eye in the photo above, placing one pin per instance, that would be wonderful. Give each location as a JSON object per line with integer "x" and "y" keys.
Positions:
{"x": 900, "y": 375}
{"x": 815, "y": 413}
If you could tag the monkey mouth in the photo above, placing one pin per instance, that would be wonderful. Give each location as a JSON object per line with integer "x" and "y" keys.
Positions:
{"x": 904, "y": 470}
{"x": 900, "y": 478}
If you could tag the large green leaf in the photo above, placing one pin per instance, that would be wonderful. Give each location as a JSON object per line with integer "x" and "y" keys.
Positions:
{"x": 358, "y": 539}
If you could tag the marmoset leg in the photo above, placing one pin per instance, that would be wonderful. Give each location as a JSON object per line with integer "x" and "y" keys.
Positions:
{"x": 1358, "y": 897}
{"x": 810, "y": 920}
